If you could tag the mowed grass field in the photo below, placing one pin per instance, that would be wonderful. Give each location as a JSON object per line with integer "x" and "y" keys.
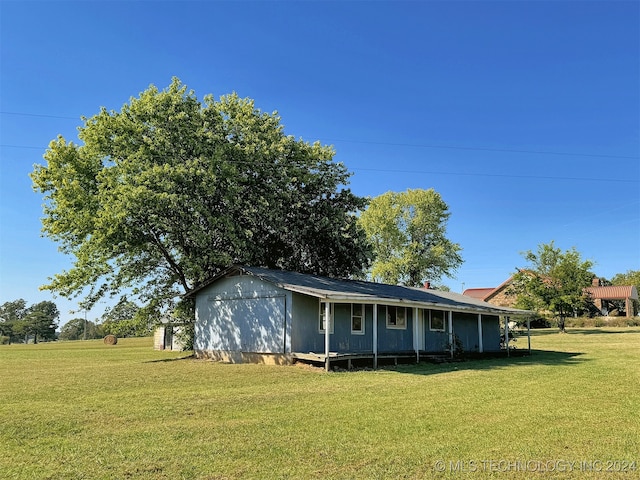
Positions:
{"x": 85, "y": 410}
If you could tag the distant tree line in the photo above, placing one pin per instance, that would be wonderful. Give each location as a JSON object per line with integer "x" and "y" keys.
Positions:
{"x": 22, "y": 324}
{"x": 19, "y": 323}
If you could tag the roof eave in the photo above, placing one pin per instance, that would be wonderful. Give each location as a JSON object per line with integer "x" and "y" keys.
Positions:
{"x": 371, "y": 299}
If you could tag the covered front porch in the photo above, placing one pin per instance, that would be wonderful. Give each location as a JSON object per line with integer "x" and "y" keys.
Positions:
{"x": 401, "y": 333}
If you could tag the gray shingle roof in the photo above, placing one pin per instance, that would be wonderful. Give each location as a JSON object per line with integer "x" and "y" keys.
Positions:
{"x": 368, "y": 292}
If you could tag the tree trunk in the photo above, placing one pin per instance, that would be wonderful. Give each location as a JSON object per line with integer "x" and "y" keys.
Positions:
{"x": 561, "y": 324}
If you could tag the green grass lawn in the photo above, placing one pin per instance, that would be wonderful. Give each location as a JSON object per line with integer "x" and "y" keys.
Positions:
{"x": 72, "y": 410}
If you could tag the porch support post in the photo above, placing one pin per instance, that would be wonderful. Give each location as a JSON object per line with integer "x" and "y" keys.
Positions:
{"x": 480, "y": 346}
{"x": 416, "y": 346}
{"x": 327, "y": 333}
{"x": 529, "y": 333}
{"x": 375, "y": 335}
{"x": 451, "y": 332}
{"x": 506, "y": 333}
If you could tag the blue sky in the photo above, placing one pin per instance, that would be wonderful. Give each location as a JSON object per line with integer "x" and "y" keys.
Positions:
{"x": 524, "y": 116}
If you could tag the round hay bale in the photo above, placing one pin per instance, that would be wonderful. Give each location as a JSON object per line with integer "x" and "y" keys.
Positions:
{"x": 110, "y": 340}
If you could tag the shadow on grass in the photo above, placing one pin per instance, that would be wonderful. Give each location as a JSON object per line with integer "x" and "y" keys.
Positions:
{"x": 537, "y": 357}
{"x": 175, "y": 359}
{"x": 599, "y": 331}
{"x": 540, "y": 332}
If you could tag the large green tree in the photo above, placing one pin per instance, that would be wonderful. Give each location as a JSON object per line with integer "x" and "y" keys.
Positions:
{"x": 160, "y": 196}
{"x": 553, "y": 281}
{"x": 126, "y": 319}
{"x": 11, "y": 313}
{"x": 40, "y": 322}
{"x": 407, "y": 231}
{"x": 80, "y": 329}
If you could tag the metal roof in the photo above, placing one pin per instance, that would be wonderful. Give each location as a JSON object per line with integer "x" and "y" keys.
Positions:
{"x": 613, "y": 292}
{"x": 354, "y": 291}
{"x": 479, "y": 293}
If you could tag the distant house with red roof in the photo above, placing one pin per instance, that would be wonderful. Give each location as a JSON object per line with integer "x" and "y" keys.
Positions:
{"x": 601, "y": 296}
{"x": 478, "y": 293}
{"x": 494, "y": 295}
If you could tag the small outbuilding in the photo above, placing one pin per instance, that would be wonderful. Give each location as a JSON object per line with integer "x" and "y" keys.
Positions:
{"x": 273, "y": 316}
{"x": 167, "y": 336}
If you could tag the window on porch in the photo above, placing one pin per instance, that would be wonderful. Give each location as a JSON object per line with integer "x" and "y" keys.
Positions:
{"x": 436, "y": 320}
{"x": 357, "y": 319}
{"x": 396, "y": 317}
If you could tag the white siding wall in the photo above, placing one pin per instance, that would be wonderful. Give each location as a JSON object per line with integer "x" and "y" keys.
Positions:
{"x": 243, "y": 314}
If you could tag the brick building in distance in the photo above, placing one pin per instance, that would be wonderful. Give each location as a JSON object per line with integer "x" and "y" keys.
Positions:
{"x": 603, "y": 297}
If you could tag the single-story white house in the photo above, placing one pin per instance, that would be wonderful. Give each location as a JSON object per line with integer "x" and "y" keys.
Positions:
{"x": 273, "y": 316}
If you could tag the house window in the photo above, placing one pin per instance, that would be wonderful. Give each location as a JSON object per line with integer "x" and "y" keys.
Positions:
{"x": 323, "y": 319}
{"x": 397, "y": 317}
{"x": 436, "y": 320}
{"x": 357, "y": 319}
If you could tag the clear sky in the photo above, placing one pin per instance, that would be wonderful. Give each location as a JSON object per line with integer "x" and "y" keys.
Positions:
{"x": 524, "y": 116}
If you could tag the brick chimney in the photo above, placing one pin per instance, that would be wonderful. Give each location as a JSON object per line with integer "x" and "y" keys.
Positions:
{"x": 595, "y": 282}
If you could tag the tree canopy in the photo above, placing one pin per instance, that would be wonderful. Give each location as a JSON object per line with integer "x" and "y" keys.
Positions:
{"x": 11, "y": 313}
{"x": 80, "y": 329}
{"x": 19, "y": 322}
{"x": 553, "y": 281}
{"x": 630, "y": 277}
{"x": 163, "y": 194}
{"x": 126, "y": 319}
{"x": 407, "y": 231}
